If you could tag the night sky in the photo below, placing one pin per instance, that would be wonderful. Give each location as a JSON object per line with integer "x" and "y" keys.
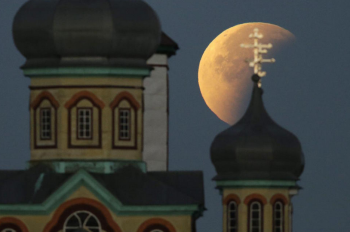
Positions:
{"x": 306, "y": 91}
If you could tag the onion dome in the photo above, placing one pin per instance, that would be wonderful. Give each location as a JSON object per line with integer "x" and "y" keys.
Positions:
{"x": 256, "y": 148}
{"x": 66, "y": 33}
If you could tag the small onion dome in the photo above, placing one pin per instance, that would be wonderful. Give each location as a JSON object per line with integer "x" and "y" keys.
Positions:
{"x": 256, "y": 148}
{"x": 114, "y": 33}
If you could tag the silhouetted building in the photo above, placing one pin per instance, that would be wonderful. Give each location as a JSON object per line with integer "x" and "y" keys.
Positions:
{"x": 258, "y": 164}
{"x": 99, "y": 133}
{"x": 98, "y": 129}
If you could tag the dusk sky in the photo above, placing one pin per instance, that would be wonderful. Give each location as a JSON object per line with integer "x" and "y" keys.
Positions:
{"x": 306, "y": 91}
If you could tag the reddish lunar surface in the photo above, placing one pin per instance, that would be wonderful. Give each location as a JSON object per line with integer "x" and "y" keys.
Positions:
{"x": 224, "y": 76}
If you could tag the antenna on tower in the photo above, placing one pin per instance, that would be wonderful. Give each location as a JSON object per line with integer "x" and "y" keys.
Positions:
{"x": 258, "y": 49}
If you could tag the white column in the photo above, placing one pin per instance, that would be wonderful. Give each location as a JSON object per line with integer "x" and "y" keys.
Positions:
{"x": 155, "y": 137}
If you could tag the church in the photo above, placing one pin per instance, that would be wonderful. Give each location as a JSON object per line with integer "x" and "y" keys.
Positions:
{"x": 99, "y": 133}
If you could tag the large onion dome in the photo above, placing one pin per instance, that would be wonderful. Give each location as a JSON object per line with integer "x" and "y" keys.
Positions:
{"x": 61, "y": 33}
{"x": 256, "y": 148}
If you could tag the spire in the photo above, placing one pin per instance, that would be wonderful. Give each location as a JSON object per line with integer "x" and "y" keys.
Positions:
{"x": 256, "y": 112}
{"x": 258, "y": 50}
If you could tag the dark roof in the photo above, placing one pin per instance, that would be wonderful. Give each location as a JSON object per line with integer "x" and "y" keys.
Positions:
{"x": 19, "y": 187}
{"x": 167, "y": 45}
{"x": 129, "y": 184}
{"x": 167, "y": 41}
{"x": 96, "y": 33}
{"x": 133, "y": 187}
{"x": 189, "y": 183}
{"x": 256, "y": 147}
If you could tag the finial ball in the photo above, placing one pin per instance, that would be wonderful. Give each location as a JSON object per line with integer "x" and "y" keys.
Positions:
{"x": 256, "y": 78}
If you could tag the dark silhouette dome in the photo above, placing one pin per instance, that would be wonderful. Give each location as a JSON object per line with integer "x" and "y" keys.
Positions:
{"x": 256, "y": 148}
{"x": 57, "y": 33}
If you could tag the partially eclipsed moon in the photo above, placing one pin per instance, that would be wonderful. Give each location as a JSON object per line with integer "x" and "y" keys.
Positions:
{"x": 224, "y": 76}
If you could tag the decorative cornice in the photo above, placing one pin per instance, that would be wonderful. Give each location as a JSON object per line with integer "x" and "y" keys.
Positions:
{"x": 256, "y": 183}
{"x": 97, "y": 166}
{"x": 85, "y": 87}
{"x": 86, "y": 71}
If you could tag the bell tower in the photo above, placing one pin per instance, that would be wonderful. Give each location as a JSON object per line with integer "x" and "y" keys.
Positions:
{"x": 87, "y": 62}
{"x": 258, "y": 164}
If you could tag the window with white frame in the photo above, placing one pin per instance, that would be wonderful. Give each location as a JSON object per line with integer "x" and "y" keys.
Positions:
{"x": 82, "y": 220}
{"x": 45, "y": 123}
{"x": 124, "y": 124}
{"x": 84, "y": 124}
{"x": 8, "y": 230}
{"x": 232, "y": 217}
{"x": 278, "y": 217}
{"x": 255, "y": 217}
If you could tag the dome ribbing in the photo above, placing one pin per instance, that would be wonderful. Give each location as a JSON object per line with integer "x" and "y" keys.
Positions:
{"x": 70, "y": 33}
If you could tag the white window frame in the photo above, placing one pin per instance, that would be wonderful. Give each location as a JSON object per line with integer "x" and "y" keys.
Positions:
{"x": 279, "y": 227}
{"x": 8, "y": 230}
{"x": 231, "y": 228}
{"x": 45, "y": 123}
{"x": 87, "y": 121}
{"x": 125, "y": 126}
{"x": 82, "y": 224}
{"x": 252, "y": 228}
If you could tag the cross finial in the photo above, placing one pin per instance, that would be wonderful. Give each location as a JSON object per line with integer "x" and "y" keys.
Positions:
{"x": 259, "y": 49}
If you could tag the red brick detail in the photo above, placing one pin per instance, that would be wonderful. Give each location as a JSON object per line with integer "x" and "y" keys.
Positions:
{"x": 154, "y": 222}
{"x": 255, "y": 196}
{"x": 44, "y": 95}
{"x": 84, "y": 94}
{"x": 231, "y": 197}
{"x": 124, "y": 95}
{"x": 13, "y": 221}
{"x": 79, "y": 201}
{"x": 279, "y": 197}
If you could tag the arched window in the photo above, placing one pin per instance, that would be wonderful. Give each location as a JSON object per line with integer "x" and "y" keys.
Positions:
{"x": 82, "y": 214}
{"x": 156, "y": 228}
{"x": 255, "y": 216}
{"x": 156, "y": 225}
{"x": 8, "y": 230}
{"x": 84, "y": 120}
{"x": 10, "y": 227}
{"x": 82, "y": 220}
{"x": 278, "y": 216}
{"x": 44, "y": 120}
{"x": 232, "y": 216}
{"x": 124, "y": 121}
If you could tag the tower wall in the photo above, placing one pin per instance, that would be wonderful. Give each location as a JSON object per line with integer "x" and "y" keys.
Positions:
{"x": 267, "y": 196}
{"x": 64, "y": 95}
{"x": 156, "y": 113}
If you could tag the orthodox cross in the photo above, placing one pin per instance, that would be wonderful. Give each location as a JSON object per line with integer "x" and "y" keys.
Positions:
{"x": 259, "y": 49}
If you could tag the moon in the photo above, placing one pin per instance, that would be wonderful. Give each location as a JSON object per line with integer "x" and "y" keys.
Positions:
{"x": 224, "y": 76}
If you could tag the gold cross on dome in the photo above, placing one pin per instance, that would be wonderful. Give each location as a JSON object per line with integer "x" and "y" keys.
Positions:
{"x": 259, "y": 49}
